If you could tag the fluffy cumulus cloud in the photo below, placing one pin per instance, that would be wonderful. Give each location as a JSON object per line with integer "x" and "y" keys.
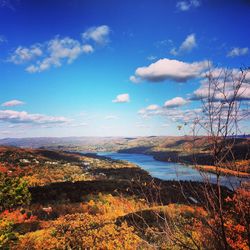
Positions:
{"x": 188, "y": 44}
{"x": 187, "y": 5}
{"x": 220, "y": 92}
{"x": 12, "y": 103}
{"x": 175, "y": 102}
{"x": 99, "y": 34}
{"x": 58, "y": 51}
{"x": 122, "y": 98}
{"x": 238, "y": 52}
{"x": 167, "y": 69}
{"x": 12, "y": 116}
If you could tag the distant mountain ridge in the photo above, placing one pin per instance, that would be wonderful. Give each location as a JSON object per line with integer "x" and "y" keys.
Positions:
{"x": 52, "y": 142}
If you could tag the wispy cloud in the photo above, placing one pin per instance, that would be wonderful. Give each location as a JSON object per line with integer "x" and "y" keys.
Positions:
{"x": 98, "y": 34}
{"x": 163, "y": 43}
{"x": 174, "y": 114}
{"x": 3, "y": 39}
{"x": 60, "y": 51}
{"x": 111, "y": 117}
{"x": 134, "y": 79}
{"x": 142, "y": 125}
{"x": 222, "y": 91}
{"x": 12, "y": 103}
{"x": 227, "y": 85}
{"x": 152, "y": 107}
{"x": 76, "y": 125}
{"x": 175, "y": 102}
{"x": 187, "y": 45}
{"x": 22, "y": 54}
{"x": 238, "y": 52}
{"x": 167, "y": 69}
{"x": 87, "y": 49}
{"x": 40, "y": 57}
{"x": 7, "y": 4}
{"x": 122, "y": 98}
{"x": 12, "y": 116}
{"x": 187, "y": 5}
{"x": 151, "y": 58}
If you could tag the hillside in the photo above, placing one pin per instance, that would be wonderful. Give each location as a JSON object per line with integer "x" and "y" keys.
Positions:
{"x": 184, "y": 149}
{"x": 70, "y": 192}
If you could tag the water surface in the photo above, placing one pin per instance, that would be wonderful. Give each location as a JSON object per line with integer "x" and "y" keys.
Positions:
{"x": 170, "y": 170}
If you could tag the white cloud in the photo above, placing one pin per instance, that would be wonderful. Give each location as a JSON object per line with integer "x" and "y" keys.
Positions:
{"x": 134, "y": 79}
{"x": 175, "y": 102}
{"x": 222, "y": 73}
{"x": 188, "y": 44}
{"x": 122, "y": 98}
{"x": 57, "y": 51}
{"x": 32, "y": 69}
{"x": 222, "y": 91}
{"x": 24, "y": 117}
{"x": 175, "y": 115}
{"x": 75, "y": 125}
{"x": 87, "y": 48}
{"x": 187, "y": 5}
{"x": 238, "y": 52}
{"x": 67, "y": 48}
{"x": 183, "y": 5}
{"x": 22, "y": 54}
{"x": 167, "y": 69}
{"x": 152, "y": 107}
{"x": 223, "y": 85}
{"x": 60, "y": 51}
{"x": 98, "y": 34}
{"x": 12, "y": 103}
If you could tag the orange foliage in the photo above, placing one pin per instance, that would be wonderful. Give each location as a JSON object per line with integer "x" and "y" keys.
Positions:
{"x": 238, "y": 220}
{"x": 17, "y": 216}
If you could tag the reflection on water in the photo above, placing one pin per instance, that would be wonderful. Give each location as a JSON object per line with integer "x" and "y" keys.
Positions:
{"x": 170, "y": 170}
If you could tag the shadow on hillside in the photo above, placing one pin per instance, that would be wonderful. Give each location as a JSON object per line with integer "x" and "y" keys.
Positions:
{"x": 57, "y": 156}
{"x": 134, "y": 183}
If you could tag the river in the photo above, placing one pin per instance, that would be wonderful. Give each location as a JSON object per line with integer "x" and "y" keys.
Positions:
{"x": 171, "y": 170}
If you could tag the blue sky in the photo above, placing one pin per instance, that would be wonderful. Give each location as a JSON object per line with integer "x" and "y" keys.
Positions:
{"x": 112, "y": 68}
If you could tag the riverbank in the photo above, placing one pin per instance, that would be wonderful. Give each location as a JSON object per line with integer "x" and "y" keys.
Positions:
{"x": 222, "y": 171}
{"x": 201, "y": 161}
